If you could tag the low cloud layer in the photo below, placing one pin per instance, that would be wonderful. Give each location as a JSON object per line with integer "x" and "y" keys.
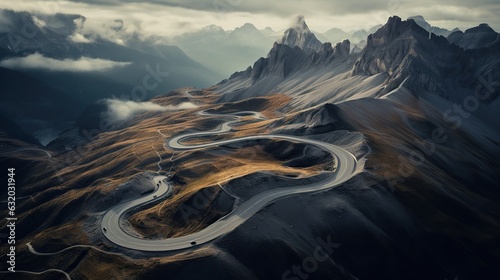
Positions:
{"x": 174, "y": 17}
{"x": 119, "y": 110}
{"x": 162, "y": 20}
{"x": 83, "y": 64}
{"x": 80, "y": 38}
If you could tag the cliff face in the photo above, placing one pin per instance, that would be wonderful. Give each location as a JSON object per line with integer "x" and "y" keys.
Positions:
{"x": 482, "y": 36}
{"x": 298, "y": 49}
{"x": 429, "y": 63}
{"x": 399, "y": 54}
{"x": 283, "y": 60}
{"x": 402, "y": 49}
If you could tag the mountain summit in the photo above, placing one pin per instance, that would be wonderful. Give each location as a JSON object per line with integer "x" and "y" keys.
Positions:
{"x": 299, "y": 35}
{"x": 401, "y": 53}
{"x": 481, "y": 36}
{"x": 420, "y": 20}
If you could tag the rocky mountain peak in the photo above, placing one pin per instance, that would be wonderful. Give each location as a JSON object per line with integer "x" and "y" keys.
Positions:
{"x": 301, "y": 36}
{"x": 247, "y": 27}
{"x": 343, "y": 48}
{"x": 301, "y": 24}
{"x": 420, "y": 20}
{"x": 401, "y": 49}
{"x": 483, "y": 27}
{"x": 481, "y": 36}
{"x": 48, "y": 32}
{"x": 247, "y": 30}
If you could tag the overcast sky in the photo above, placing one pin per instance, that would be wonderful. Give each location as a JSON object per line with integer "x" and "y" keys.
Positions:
{"x": 171, "y": 17}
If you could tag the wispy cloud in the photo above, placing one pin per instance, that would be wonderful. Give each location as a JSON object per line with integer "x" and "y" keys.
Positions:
{"x": 83, "y": 64}
{"x": 119, "y": 110}
{"x": 173, "y": 17}
{"x": 80, "y": 38}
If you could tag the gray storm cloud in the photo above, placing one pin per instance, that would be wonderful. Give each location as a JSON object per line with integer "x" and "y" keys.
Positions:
{"x": 117, "y": 21}
{"x": 292, "y": 7}
{"x": 83, "y": 64}
{"x": 119, "y": 110}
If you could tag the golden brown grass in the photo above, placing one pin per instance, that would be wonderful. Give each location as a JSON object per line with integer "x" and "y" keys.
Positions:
{"x": 95, "y": 169}
{"x": 211, "y": 170}
{"x": 113, "y": 158}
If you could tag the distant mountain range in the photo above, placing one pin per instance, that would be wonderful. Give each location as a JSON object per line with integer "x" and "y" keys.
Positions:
{"x": 83, "y": 72}
{"x": 78, "y": 69}
{"x": 226, "y": 50}
{"x": 223, "y": 51}
{"x": 399, "y": 53}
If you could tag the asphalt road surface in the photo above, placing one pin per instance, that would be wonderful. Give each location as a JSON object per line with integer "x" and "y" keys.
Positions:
{"x": 346, "y": 166}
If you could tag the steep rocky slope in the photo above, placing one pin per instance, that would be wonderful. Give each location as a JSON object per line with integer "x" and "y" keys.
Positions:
{"x": 482, "y": 36}
{"x": 400, "y": 54}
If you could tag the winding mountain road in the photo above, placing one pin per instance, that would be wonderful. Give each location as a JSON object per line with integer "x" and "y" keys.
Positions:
{"x": 346, "y": 166}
